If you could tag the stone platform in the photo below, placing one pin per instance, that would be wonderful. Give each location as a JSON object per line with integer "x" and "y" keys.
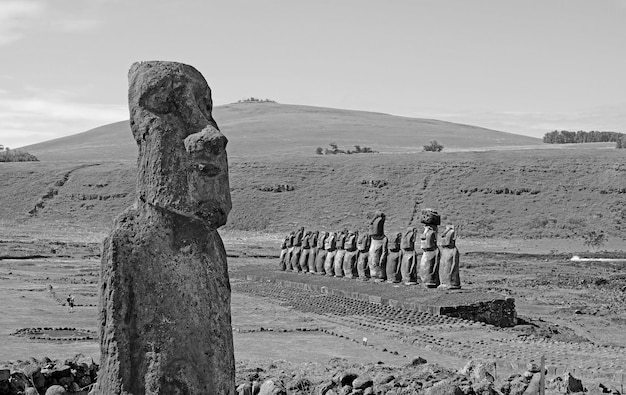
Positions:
{"x": 471, "y": 304}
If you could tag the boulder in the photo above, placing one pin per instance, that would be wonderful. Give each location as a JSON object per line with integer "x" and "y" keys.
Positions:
{"x": 31, "y": 391}
{"x": 56, "y": 390}
{"x": 271, "y": 387}
{"x": 362, "y": 382}
{"x": 444, "y": 387}
{"x": 244, "y": 389}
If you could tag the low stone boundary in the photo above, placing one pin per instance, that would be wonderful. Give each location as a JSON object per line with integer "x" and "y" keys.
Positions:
{"x": 499, "y": 311}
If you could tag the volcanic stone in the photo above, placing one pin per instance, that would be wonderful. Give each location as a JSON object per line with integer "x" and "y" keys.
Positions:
{"x": 165, "y": 324}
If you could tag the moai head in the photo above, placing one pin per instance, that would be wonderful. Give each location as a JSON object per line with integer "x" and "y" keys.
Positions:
{"x": 395, "y": 242}
{"x": 182, "y": 161}
{"x": 430, "y": 218}
{"x": 377, "y": 226}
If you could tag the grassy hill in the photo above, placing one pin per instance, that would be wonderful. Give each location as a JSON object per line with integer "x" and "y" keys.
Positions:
{"x": 510, "y": 194}
{"x": 271, "y": 129}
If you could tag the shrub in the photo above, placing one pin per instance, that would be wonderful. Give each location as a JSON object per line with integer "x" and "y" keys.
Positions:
{"x": 319, "y": 150}
{"x": 17, "y": 156}
{"x": 593, "y": 239}
{"x": 433, "y": 146}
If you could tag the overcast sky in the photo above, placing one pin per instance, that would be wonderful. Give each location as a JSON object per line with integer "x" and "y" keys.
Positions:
{"x": 527, "y": 66}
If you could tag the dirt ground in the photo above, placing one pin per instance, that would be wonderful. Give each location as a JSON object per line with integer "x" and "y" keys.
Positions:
{"x": 572, "y": 312}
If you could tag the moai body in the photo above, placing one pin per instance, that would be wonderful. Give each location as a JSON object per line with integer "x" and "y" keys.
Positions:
{"x": 330, "y": 245}
{"x": 306, "y": 251}
{"x": 320, "y": 258}
{"x": 378, "y": 248}
{"x": 297, "y": 249}
{"x": 290, "y": 247}
{"x": 429, "y": 264}
{"x": 282, "y": 264}
{"x": 313, "y": 252}
{"x": 351, "y": 256}
{"x": 449, "y": 262}
{"x": 393, "y": 259}
{"x": 408, "y": 264}
{"x": 339, "y": 255}
{"x": 165, "y": 325}
{"x": 362, "y": 266}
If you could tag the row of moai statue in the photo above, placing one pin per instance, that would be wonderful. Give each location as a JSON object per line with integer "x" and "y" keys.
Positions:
{"x": 372, "y": 255}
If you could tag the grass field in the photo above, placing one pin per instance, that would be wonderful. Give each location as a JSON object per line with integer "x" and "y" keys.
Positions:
{"x": 496, "y": 194}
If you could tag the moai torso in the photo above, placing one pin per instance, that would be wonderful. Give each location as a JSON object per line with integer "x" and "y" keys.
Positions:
{"x": 164, "y": 290}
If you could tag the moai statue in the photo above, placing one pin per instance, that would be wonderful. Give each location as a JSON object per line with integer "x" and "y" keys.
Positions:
{"x": 378, "y": 248}
{"x": 408, "y": 266}
{"x": 330, "y": 245}
{"x": 363, "y": 246}
{"x": 429, "y": 265}
{"x": 290, "y": 247}
{"x": 282, "y": 265}
{"x": 350, "y": 259}
{"x": 306, "y": 250}
{"x": 164, "y": 308}
{"x": 341, "y": 252}
{"x": 320, "y": 258}
{"x": 313, "y": 252}
{"x": 449, "y": 262}
{"x": 393, "y": 259}
{"x": 297, "y": 250}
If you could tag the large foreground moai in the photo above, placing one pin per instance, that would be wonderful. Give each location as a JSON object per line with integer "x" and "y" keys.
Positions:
{"x": 164, "y": 291}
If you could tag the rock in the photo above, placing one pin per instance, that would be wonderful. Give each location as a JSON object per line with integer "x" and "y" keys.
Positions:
{"x": 571, "y": 384}
{"x": 385, "y": 379}
{"x": 300, "y": 384}
{"x": 271, "y": 387}
{"x": 418, "y": 361}
{"x": 56, "y": 390}
{"x": 324, "y": 387}
{"x": 36, "y": 377}
{"x": 533, "y": 367}
{"x": 345, "y": 390}
{"x": 5, "y": 374}
{"x": 244, "y": 389}
{"x": 19, "y": 381}
{"x": 164, "y": 278}
{"x": 368, "y": 391}
{"x": 347, "y": 378}
{"x": 444, "y": 387}
{"x": 518, "y": 386}
{"x": 31, "y": 391}
{"x": 362, "y": 382}
{"x": 478, "y": 371}
{"x": 533, "y": 386}
{"x": 484, "y": 387}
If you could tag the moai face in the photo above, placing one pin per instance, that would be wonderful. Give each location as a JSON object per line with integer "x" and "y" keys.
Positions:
{"x": 183, "y": 167}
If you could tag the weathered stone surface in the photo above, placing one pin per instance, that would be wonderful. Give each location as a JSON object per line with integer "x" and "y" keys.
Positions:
{"x": 392, "y": 265}
{"x": 272, "y": 387}
{"x": 31, "y": 391}
{"x": 164, "y": 290}
{"x": 330, "y": 245}
{"x": 362, "y": 265}
{"x": 351, "y": 255}
{"x": 444, "y": 387}
{"x": 377, "y": 257}
{"x": 56, "y": 390}
{"x": 429, "y": 264}
{"x": 320, "y": 257}
{"x": 449, "y": 260}
{"x": 362, "y": 382}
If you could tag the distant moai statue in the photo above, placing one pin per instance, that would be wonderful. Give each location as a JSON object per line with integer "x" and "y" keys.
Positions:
{"x": 313, "y": 252}
{"x": 408, "y": 264}
{"x": 165, "y": 324}
{"x": 306, "y": 250}
{"x": 339, "y": 255}
{"x": 320, "y": 258}
{"x": 282, "y": 264}
{"x": 378, "y": 247}
{"x": 351, "y": 256}
{"x": 429, "y": 264}
{"x": 394, "y": 259}
{"x": 362, "y": 265}
{"x": 290, "y": 247}
{"x": 449, "y": 262}
{"x": 330, "y": 245}
{"x": 297, "y": 249}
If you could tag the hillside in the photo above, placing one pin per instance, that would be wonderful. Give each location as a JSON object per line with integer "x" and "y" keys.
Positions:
{"x": 270, "y": 129}
{"x": 513, "y": 194}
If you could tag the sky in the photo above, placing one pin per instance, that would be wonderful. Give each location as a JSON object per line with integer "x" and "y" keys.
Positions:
{"x": 526, "y": 66}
